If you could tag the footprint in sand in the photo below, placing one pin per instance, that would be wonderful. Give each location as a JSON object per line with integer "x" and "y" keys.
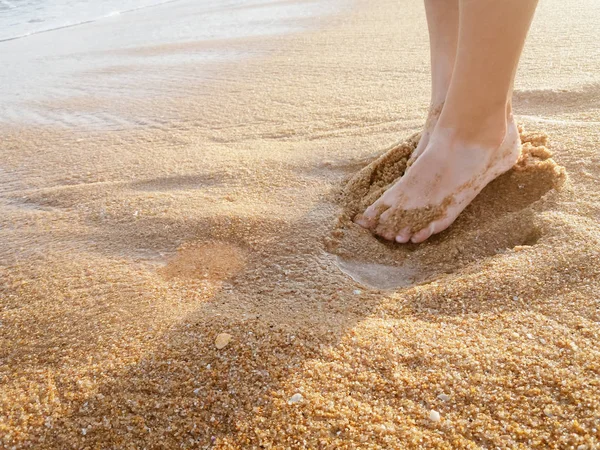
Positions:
{"x": 502, "y": 217}
{"x": 212, "y": 261}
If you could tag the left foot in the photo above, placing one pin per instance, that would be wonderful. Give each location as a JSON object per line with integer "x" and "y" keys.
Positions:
{"x": 432, "y": 119}
{"x": 451, "y": 171}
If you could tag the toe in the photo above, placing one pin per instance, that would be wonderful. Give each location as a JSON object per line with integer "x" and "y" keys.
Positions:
{"x": 384, "y": 231}
{"x": 370, "y": 218}
{"x": 422, "y": 235}
{"x": 404, "y": 236}
{"x": 363, "y": 221}
{"x": 373, "y": 211}
{"x": 434, "y": 227}
{"x": 383, "y": 227}
{"x": 387, "y": 235}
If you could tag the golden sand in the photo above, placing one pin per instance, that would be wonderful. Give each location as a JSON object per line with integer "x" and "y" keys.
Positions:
{"x": 125, "y": 254}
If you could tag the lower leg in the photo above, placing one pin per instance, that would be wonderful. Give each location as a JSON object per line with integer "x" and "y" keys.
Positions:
{"x": 442, "y": 22}
{"x": 491, "y": 38}
{"x": 475, "y": 139}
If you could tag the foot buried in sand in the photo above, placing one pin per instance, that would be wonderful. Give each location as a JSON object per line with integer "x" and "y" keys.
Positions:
{"x": 441, "y": 183}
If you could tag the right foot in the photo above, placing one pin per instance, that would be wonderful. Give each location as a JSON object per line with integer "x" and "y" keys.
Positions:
{"x": 442, "y": 182}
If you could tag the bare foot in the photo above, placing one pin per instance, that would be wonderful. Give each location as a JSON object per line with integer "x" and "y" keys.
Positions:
{"x": 432, "y": 119}
{"x": 446, "y": 177}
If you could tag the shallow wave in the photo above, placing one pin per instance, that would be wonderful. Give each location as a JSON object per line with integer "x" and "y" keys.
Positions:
{"x": 76, "y": 23}
{"x": 7, "y": 4}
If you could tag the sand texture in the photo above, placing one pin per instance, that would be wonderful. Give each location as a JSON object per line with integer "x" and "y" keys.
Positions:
{"x": 196, "y": 281}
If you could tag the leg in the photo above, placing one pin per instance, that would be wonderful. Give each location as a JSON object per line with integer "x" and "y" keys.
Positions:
{"x": 491, "y": 38}
{"x": 475, "y": 139}
{"x": 442, "y": 21}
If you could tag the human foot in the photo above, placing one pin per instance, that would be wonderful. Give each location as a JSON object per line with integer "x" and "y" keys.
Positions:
{"x": 447, "y": 176}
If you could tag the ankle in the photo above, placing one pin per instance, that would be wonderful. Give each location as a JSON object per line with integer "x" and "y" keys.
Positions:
{"x": 485, "y": 127}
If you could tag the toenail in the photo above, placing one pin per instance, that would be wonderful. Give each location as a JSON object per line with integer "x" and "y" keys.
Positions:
{"x": 401, "y": 239}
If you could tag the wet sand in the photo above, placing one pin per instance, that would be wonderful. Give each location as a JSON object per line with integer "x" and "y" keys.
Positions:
{"x": 127, "y": 254}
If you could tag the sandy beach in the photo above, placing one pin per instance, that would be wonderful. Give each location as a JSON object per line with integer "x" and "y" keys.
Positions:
{"x": 178, "y": 268}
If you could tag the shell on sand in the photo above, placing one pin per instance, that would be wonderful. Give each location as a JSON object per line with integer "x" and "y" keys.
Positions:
{"x": 222, "y": 340}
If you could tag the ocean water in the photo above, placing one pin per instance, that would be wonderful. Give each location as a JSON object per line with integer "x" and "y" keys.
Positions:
{"x": 20, "y": 18}
{"x": 49, "y": 48}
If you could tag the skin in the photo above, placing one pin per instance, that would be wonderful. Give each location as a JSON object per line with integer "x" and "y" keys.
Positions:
{"x": 474, "y": 140}
{"x": 442, "y": 21}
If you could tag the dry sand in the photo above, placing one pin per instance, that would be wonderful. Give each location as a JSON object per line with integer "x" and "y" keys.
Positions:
{"x": 124, "y": 254}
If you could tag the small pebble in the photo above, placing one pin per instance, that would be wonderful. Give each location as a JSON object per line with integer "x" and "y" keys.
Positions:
{"x": 296, "y": 398}
{"x": 572, "y": 346}
{"x": 197, "y": 391}
{"x": 443, "y": 397}
{"x": 222, "y": 340}
{"x": 542, "y": 341}
{"x": 357, "y": 292}
{"x": 434, "y": 416}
